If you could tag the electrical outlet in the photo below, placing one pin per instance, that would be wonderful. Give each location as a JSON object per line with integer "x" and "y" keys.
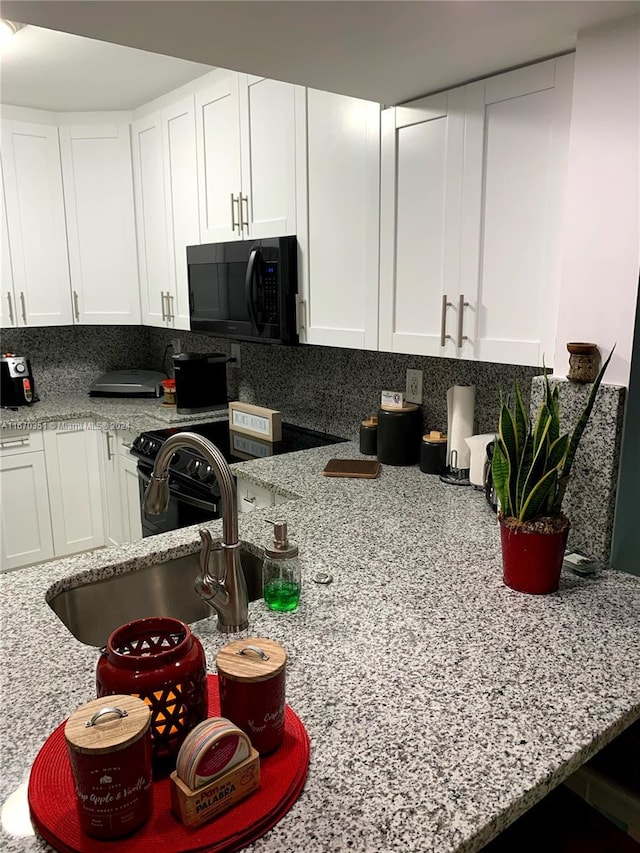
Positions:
{"x": 235, "y": 353}
{"x": 414, "y": 386}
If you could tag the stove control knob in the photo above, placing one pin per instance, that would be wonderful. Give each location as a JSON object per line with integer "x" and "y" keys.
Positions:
{"x": 192, "y": 467}
{"x": 205, "y": 473}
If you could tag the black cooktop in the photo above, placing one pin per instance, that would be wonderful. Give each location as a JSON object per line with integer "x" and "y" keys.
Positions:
{"x": 234, "y": 446}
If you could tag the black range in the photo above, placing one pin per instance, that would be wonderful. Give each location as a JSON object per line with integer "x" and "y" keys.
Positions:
{"x": 195, "y": 497}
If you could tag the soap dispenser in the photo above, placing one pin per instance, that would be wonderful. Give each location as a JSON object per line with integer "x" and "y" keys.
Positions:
{"x": 281, "y": 577}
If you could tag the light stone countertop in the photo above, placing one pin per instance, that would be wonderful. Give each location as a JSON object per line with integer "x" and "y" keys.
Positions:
{"x": 440, "y": 704}
{"x": 114, "y": 412}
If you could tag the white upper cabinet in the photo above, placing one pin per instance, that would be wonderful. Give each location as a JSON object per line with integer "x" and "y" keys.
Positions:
{"x": 338, "y": 163}
{"x": 422, "y": 158}
{"x": 166, "y": 201}
{"x": 36, "y": 224}
{"x": 516, "y": 150}
{"x": 219, "y": 181}
{"x": 96, "y": 168}
{"x": 151, "y": 219}
{"x": 246, "y": 158}
{"x": 181, "y": 192}
{"x": 472, "y": 198}
{"x": 9, "y": 316}
{"x": 267, "y": 134}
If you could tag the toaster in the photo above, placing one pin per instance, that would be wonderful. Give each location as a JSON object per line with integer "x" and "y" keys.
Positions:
{"x": 17, "y": 387}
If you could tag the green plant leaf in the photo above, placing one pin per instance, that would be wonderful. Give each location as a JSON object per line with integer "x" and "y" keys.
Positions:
{"x": 558, "y": 451}
{"x": 521, "y": 421}
{"x": 538, "y": 497}
{"x": 523, "y": 470}
{"x": 538, "y": 467}
{"x": 507, "y": 432}
{"x": 542, "y": 426}
{"x": 500, "y": 474}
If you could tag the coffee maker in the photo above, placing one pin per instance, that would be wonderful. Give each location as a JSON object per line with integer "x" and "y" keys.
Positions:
{"x": 201, "y": 381}
{"x": 17, "y": 387}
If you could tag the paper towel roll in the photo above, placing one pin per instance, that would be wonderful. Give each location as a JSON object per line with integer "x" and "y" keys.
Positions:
{"x": 461, "y": 401}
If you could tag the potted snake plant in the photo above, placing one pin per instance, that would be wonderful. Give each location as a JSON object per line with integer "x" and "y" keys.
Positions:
{"x": 531, "y": 469}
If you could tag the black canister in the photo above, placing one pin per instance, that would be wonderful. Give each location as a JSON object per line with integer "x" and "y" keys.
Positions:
{"x": 399, "y": 432}
{"x": 433, "y": 453}
{"x": 369, "y": 436}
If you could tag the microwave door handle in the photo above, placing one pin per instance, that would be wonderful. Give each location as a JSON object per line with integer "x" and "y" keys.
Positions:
{"x": 253, "y": 265}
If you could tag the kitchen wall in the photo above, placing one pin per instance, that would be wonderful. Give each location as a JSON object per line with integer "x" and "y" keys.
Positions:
{"x": 333, "y": 389}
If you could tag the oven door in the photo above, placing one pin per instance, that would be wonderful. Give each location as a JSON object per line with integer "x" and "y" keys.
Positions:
{"x": 184, "y": 508}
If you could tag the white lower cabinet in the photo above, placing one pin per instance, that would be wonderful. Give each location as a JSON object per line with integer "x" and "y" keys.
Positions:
{"x": 250, "y": 497}
{"x": 75, "y": 496}
{"x": 121, "y": 498}
{"x": 24, "y": 501}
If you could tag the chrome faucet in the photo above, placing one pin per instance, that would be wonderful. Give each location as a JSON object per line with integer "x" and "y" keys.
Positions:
{"x": 222, "y": 586}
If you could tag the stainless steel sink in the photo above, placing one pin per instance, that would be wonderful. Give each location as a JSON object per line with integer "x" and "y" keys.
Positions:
{"x": 91, "y": 612}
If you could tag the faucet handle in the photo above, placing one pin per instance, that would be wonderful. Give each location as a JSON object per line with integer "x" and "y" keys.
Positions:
{"x": 205, "y": 550}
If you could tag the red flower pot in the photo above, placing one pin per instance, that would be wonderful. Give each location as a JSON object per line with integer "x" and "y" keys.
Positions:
{"x": 532, "y": 562}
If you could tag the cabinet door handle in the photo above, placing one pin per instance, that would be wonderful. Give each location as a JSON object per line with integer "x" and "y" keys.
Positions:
{"x": 24, "y": 307}
{"x": 443, "y": 321}
{"x": 235, "y": 224}
{"x": 11, "y": 318}
{"x": 164, "y": 313}
{"x": 461, "y": 306}
{"x": 301, "y": 310}
{"x": 170, "y": 315}
{"x": 244, "y": 200}
{"x": 76, "y": 307}
{"x": 109, "y": 453}
{"x": 250, "y": 500}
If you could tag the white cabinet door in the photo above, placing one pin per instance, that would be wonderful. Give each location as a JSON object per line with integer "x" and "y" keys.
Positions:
{"x": 338, "y": 147}
{"x": 73, "y": 476}
{"x": 9, "y": 315}
{"x": 516, "y": 149}
{"x": 113, "y": 513}
{"x": 181, "y": 187}
{"x": 98, "y": 188}
{"x": 267, "y": 142}
{"x": 130, "y": 498}
{"x": 422, "y": 150}
{"x": 151, "y": 219}
{"x": 36, "y": 223}
{"x": 218, "y": 140}
{"x": 24, "y": 511}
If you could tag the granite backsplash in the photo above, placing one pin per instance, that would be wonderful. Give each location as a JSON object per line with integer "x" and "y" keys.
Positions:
{"x": 333, "y": 389}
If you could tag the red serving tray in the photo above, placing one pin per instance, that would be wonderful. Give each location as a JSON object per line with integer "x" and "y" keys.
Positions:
{"x": 52, "y": 800}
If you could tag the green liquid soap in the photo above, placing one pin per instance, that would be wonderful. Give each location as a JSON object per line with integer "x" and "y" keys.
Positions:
{"x": 282, "y": 595}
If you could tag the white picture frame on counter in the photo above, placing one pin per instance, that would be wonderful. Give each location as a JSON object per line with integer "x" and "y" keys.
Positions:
{"x": 256, "y": 421}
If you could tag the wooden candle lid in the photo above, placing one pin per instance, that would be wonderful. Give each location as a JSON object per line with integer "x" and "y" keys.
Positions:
{"x": 251, "y": 660}
{"x": 110, "y": 730}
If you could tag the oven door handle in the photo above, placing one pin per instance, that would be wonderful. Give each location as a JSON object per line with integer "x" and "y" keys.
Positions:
{"x": 197, "y": 503}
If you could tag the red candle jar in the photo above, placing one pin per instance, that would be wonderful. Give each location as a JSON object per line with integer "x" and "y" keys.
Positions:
{"x": 251, "y": 680}
{"x": 162, "y": 662}
{"x": 109, "y": 746}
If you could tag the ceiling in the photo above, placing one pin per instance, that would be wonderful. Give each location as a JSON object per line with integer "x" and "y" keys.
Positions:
{"x": 390, "y": 51}
{"x": 50, "y": 70}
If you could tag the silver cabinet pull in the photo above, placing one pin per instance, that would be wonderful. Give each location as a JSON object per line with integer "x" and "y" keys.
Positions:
{"x": 109, "y": 453}
{"x": 24, "y": 307}
{"x": 76, "y": 307}
{"x": 164, "y": 313}
{"x": 170, "y": 315}
{"x": 235, "y": 224}
{"x": 461, "y": 306}
{"x": 250, "y": 500}
{"x": 244, "y": 200}
{"x": 11, "y": 318}
{"x": 443, "y": 320}
{"x": 301, "y": 309}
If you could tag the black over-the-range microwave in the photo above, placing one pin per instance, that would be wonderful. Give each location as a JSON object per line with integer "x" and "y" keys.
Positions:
{"x": 245, "y": 289}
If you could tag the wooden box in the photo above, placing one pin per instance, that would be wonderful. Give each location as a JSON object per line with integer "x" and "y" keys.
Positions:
{"x": 197, "y": 807}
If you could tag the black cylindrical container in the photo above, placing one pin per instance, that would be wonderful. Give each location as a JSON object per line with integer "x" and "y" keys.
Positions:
{"x": 201, "y": 381}
{"x": 433, "y": 454}
{"x": 399, "y": 432}
{"x": 369, "y": 437}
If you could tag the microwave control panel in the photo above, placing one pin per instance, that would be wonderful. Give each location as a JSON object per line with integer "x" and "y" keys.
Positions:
{"x": 270, "y": 291}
